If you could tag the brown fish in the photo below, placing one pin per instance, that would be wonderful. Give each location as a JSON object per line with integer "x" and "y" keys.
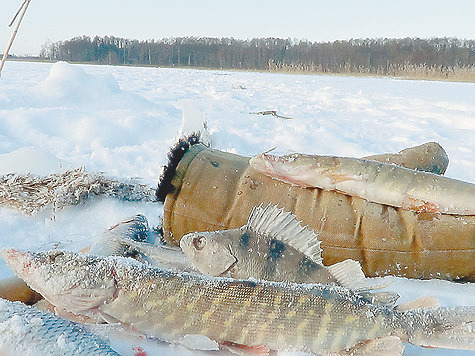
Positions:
{"x": 170, "y": 305}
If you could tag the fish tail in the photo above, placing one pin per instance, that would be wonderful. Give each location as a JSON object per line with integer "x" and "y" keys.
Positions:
{"x": 448, "y": 327}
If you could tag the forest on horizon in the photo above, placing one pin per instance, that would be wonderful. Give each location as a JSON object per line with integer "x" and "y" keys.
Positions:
{"x": 437, "y": 58}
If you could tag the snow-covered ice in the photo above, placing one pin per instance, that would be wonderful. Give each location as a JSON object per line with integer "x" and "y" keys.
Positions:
{"x": 122, "y": 121}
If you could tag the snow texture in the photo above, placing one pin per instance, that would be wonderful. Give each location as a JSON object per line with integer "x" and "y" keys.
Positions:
{"x": 123, "y": 120}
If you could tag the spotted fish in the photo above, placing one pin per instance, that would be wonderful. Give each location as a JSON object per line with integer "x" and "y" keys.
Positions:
{"x": 376, "y": 182}
{"x": 282, "y": 316}
{"x": 26, "y": 330}
{"x": 273, "y": 246}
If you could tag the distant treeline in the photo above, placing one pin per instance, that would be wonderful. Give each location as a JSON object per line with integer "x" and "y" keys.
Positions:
{"x": 438, "y": 56}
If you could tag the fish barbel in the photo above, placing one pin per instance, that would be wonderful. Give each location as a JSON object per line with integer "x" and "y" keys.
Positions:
{"x": 377, "y": 182}
{"x": 170, "y": 305}
{"x": 29, "y": 331}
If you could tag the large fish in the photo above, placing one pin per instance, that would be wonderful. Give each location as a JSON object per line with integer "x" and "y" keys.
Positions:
{"x": 273, "y": 246}
{"x": 29, "y": 331}
{"x": 377, "y": 182}
{"x": 162, "y": 303}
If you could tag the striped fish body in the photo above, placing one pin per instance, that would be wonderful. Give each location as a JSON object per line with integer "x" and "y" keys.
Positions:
{"x": 273, "y": 246}
{"x": 26, "y": 330}
{"x": 281, "y": 316}
{"x": 171, "y": 305}
{"x": 255, "y": 256}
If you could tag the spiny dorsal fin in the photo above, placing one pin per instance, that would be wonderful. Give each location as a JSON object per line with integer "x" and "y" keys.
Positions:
{"x": 281, "y": 225}
{"x": 349, "y": 274}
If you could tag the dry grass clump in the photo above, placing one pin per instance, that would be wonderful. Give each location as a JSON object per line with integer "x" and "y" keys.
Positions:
{"x": 30, "y": 194}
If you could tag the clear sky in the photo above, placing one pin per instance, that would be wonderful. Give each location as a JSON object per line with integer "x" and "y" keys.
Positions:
{"x": 314, "y": 20}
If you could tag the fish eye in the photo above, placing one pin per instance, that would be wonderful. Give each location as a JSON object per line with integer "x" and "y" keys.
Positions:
{"x": 199, "y": 242}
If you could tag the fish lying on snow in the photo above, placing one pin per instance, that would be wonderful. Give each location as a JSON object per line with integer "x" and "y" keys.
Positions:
{"x": 273, "y": 246}
{"x": 374, "y": 181}
{"x": 282, "y": 316}
{"x": 131, "y": 228}
{"x": 133, "y": 235}
{"x": 26, "y": 331}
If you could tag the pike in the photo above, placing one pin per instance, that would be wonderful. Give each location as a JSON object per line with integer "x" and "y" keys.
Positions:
{"x": 377, "y": 182}
{"x": 274, "y": 246}
{"x": 26, "y": 330}
{"x": 282, "y": 316}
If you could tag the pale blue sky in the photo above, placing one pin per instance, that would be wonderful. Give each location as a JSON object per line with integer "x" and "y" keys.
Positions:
{"x": 53, "y": 20}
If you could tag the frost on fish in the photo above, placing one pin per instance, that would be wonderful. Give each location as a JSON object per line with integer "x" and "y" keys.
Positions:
{"x": 274, "y": 246}
{"x": 377, "y": 182}
{"x": 28, "y": 331}
{"x": 282, "y": 316}
{"x": 112, "y": 241}
{"x": 132, "y": 237}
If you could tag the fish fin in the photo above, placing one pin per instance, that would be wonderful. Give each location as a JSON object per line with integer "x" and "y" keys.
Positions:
{"x": 199, "y": 342}
{"x": 83, "y": 300}
{"x": 338, "y": 178}
{"x": 109, "y": 319}
{"x": 383, "y": 346}
{"x": 349, "y": 274}
{"x": 283, "y": 226}
{"x": 106, "y": 245}
{"x": 113, "y": 241}
{"x": 382, "y": 298}
{"x": 424, "y": 302}
{"x": 447, "y": 327}
{"x": 77, "y": 318}
{"x": 420, "y": 205}
{"x": 240, "y": 349}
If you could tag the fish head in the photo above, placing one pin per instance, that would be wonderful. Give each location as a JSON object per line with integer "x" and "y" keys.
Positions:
{"x": 209, "y": 252}
{"x": 75, "y": 282}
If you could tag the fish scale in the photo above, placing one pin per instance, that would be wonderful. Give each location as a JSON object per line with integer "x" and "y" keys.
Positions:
{"x": 275, "y": 314}
{"x": 28, "y": 330}
{"x": 282, "y": 316}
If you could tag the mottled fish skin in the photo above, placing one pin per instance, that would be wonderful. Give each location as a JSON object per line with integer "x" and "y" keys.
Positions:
{"x": 377, "y": 182}
{"x": 170, "y": 305}
{"x": 255, "y": 256}
{"x": 272, "y": 246}
{"x": 26, "y": 330}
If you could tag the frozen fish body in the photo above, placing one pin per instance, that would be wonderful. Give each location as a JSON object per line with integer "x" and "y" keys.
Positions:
{"x": 29, "y": 331}
{"x": 376, "y": 182}
{"x": 170, "y": 305}
{"x": 273, "y": 246}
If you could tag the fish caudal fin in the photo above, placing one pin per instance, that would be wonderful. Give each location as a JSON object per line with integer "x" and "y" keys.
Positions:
{"x": 449, "y": 327}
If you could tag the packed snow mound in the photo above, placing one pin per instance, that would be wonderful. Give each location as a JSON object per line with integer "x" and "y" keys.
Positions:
{"x": 32, "y": 160}
{"x": 71, "y": 85}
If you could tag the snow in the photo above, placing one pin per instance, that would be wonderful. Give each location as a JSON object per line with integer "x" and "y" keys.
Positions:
{"x": 122, "y": 121}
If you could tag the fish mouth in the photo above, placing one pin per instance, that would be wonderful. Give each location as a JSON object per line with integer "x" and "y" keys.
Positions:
{"x": 229, "y": 272}
{"x": 17, "y": 260}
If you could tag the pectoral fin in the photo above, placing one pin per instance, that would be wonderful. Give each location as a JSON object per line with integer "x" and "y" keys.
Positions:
{"x": 419, "y": 205}
{"x": 384, "y": 346}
